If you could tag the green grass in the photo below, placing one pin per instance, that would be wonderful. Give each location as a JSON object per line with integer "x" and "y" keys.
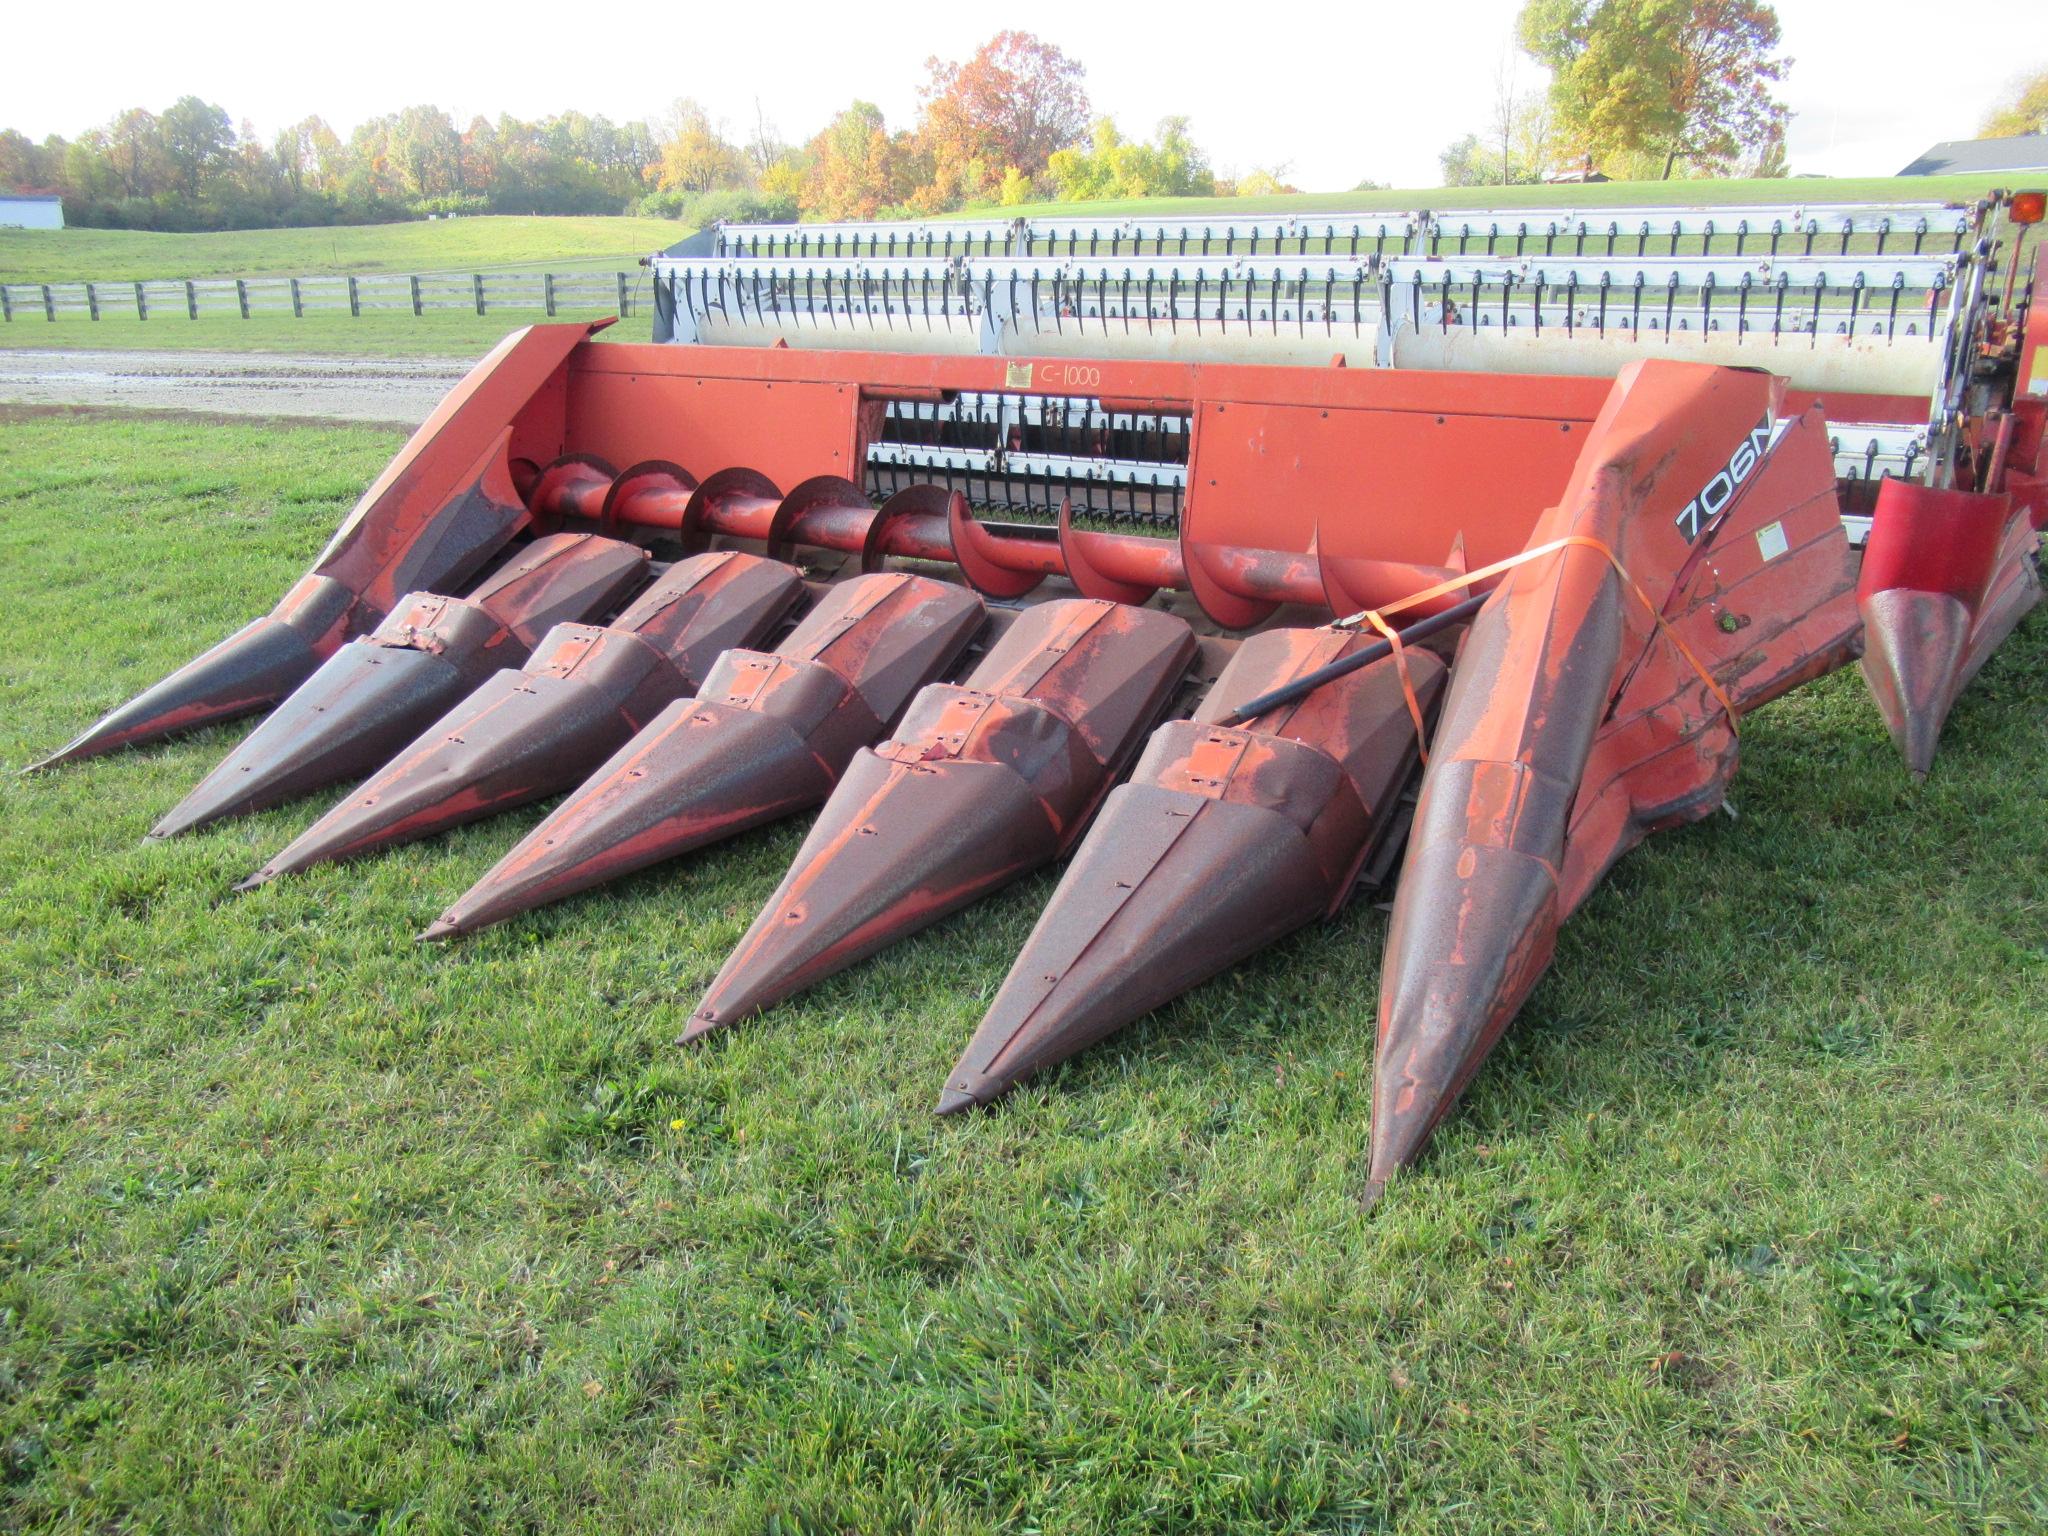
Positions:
{"x": 379, "y": 333}
{"x": 1608, "y": 194}
{"x": 304, "y": 1227}
{"x": 493, "y": 244}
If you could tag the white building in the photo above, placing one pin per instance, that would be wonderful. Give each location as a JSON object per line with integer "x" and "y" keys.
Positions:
{"x": 31, "y": 210}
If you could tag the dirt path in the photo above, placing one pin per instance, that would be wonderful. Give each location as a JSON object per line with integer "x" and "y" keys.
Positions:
{"x": 400, "y": 390}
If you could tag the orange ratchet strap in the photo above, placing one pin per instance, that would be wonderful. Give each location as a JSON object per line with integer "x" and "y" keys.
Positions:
{"x": 1377, "y": 618}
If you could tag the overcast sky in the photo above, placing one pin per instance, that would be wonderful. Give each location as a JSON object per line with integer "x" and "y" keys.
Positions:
{"x": 1335, "y": 94}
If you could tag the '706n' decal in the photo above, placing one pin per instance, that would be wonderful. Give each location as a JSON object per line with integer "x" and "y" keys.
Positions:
{"x": 1714, "y": 496}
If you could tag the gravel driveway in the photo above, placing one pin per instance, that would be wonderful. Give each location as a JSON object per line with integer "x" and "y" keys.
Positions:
{"x": 398, "y": 390}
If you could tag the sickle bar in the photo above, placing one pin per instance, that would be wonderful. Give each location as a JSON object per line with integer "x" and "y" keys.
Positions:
{"x": 1225, "y": 840}
{"x": 374, "y": 694}
{"x": 1573, "y": 728}
{"x": 767, "y": 735}
{"x": 525, "y": 735}
{"x": 983, "y": 782}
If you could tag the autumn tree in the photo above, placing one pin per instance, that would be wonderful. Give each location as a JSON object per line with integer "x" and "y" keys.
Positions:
{"x": 856, "y": 169}
{"x": 1685, "y": 79}
{"x": 2024, "y": 111}
{"x": 26, "y": 165}
{"x": 1014, "y": 104}
{"x": 695, "y": 155}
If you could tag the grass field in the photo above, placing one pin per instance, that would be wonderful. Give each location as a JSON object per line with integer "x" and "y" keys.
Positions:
{"x": 493, "y": 244}
{"x": 305, "y": 1227}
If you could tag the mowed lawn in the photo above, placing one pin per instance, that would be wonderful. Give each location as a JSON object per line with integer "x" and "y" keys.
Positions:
{"x": 486, "y": 244}
{"x": 306, "y": 1227}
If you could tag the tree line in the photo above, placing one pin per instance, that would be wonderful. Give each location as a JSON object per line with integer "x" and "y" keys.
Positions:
{"x": 1009, "y": 125}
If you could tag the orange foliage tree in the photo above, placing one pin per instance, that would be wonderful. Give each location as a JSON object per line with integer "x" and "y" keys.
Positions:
{"x": 1010, "y": 107}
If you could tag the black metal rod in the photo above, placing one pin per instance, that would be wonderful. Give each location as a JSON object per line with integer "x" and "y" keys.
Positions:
{"x": 1343, "y": 666}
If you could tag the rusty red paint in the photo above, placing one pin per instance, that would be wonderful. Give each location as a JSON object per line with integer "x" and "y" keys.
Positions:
{"x": 374, "y": 694}
{"x": 1946, "y": 576}
{"x": 1573, "y": 728}
{"x": 767, "y": 735}
{"x": 1225, "y": 840}
{"x": 983, "y": 782}
{"x": 524, "y": 735}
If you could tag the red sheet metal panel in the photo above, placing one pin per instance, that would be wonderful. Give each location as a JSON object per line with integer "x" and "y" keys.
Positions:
{"x": 768, "y": 735}
{"x": 983, "y": 782}
{"x": 1574, "y": 727}
{"x": 375, "y": 693}
{"x": 524, "y": 735}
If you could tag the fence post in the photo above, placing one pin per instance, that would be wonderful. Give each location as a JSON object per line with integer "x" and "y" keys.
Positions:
{"x": 416, "y": 295}
{"x": 547, "y": 288}
{"x": 141, "y": 303}
{"x": 191, "y": 300}
{"x": 622, "y": 296}
{"x": 92, "y": 300}
{"x": 355, "y": 300}
{"x": 298, "y": 305}
{"x": 476, "y": 283}
{"x": 242, "y": 296}
{"x": 49, "y": 304}
{"x": 6, "y": 305}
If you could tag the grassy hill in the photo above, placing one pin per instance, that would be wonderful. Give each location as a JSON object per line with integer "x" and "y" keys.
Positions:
{"x": 569, "y": 244}
{"x": 460, "y": 245}
{"x": 1610, "y": 194}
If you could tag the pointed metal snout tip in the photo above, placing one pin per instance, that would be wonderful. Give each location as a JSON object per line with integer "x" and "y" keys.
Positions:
{"x": 701, "y": 1024}
{"x": 262, "y": 876}
{"x": 439, "y": 928}
{"x": 954, "y": 1101}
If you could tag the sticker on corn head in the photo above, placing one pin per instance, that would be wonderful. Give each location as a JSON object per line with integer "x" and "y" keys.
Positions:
{"x": 1714, "y": 496}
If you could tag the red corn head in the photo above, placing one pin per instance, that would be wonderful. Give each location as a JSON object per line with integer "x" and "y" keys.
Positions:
{"x": 1226, "y": 839}
{"x": 525, "y": 735}
{"x": 983, "y": 782}
{"x": 1573, "y": 728}
{"x": 1946, "y": 575}
{"x": 373, "y": 695}
{"x": 767, "y": 735}
{"x": 442, "y": 508}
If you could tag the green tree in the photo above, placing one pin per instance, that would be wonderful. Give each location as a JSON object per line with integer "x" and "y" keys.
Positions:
{"x": 1684, "y": 79}
{"x": 198, "y": 139}
{"x": 1171, "y": 165}
{"x": 2026, "y": 111}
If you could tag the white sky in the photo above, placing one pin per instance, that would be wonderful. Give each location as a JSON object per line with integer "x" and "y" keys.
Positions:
{"x": 1337, "y": 93}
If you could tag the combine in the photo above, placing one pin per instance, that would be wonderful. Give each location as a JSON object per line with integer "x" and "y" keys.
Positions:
{"x": 1243, "y": 568}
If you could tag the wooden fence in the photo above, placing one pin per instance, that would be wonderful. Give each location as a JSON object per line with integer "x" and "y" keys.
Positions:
{"x": 185, "y": 298}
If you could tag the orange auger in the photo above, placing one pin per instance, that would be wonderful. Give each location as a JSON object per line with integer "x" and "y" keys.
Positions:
{"x": 1464, "y": 636}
